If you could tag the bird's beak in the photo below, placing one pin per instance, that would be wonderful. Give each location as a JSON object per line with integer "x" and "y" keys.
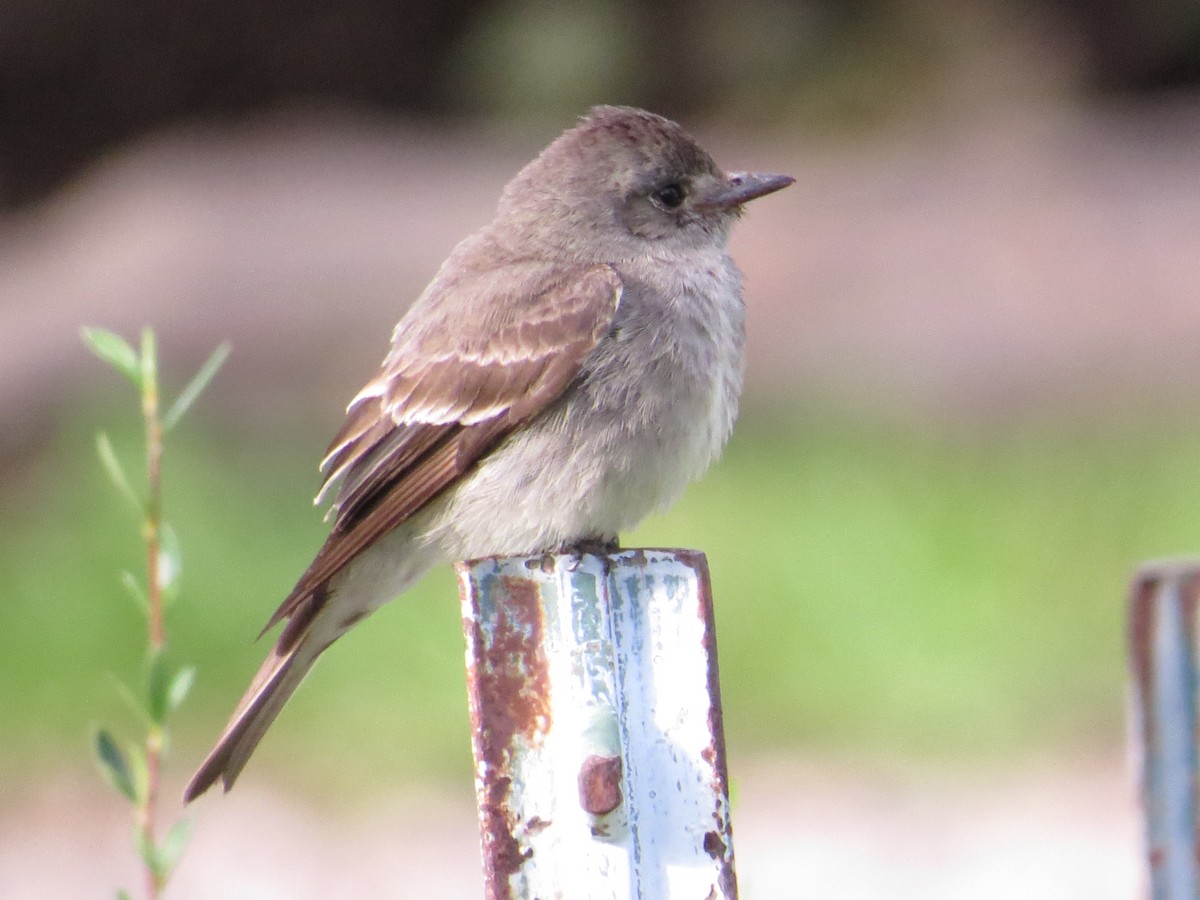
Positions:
{"x": 742, "y": 187}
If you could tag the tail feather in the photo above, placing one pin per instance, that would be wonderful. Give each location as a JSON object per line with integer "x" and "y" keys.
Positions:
{"x": 316, "y": 617}
{"x": 279, "y": 676}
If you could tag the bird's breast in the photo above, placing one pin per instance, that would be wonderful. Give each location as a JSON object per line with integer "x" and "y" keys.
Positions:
{"x": 665, "y": 387}
{"x": 652, "y": 408}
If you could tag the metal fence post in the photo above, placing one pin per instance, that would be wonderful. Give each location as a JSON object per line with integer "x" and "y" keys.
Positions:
{"x": 599, "y": 751}
{"x": 1163, "y": 646}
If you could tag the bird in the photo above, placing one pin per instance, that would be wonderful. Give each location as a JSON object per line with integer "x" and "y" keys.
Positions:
{"x": 571, "y": 367}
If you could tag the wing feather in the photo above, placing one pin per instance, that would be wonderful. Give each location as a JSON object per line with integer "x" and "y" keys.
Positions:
{"x": 442, "y": 401}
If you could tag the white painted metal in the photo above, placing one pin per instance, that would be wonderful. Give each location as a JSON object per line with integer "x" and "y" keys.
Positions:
{"x": 1163, "y": 635}
{"x": 581, "y": 668}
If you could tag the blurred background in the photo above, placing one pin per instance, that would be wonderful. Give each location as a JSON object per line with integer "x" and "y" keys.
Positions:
{"x": 971, "y": 411}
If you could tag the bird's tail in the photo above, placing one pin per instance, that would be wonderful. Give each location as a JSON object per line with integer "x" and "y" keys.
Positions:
{"x": 317, "y": 615}
{"x": 279, "y": 676}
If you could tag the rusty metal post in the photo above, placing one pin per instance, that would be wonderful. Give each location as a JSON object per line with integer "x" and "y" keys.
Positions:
{"x": 1163, "y": 646}
{"x": 599, "y": 751}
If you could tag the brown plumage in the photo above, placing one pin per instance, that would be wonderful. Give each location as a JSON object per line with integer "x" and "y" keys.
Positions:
{"x": 570, "y": 368}
{"x": 411, "y": 433}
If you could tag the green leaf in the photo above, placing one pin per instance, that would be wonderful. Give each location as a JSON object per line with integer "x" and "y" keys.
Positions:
{"x": 123, "y": 894}
{"x": 114, "y": 350}
{"x": 140, "y": 771}
{"x": 179, "y": 688}
{"x": 147, "y": 852}
{"x": 170, "y": 564}
{"x": 115, "y": 765}
{"x": 172, "y": 846}
{"x": 116, "y": 472}
{"x": 196, "y": 386}
{"x": 134, "y": 588}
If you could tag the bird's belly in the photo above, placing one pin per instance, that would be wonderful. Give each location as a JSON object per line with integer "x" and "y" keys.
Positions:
{"x": 584, "y": 474}
{"x": 653, "y": 408}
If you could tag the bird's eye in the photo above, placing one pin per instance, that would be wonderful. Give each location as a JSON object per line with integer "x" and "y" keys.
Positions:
{"x": 670, "y": 196}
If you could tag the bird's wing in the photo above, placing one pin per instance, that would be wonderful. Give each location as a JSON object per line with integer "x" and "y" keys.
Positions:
{"x": 449, "y": 391}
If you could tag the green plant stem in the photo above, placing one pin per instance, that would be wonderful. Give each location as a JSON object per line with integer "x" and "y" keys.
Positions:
{"x": 157, "y": 631}
{"x": 135, "y": 772}
{"x": 154, "y": 447}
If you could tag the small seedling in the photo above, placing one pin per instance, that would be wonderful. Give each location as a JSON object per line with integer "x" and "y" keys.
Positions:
{"x": 133, "y": 768}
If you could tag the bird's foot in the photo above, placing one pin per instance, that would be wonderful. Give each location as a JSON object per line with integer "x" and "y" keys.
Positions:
{"x": 600, "y": 545}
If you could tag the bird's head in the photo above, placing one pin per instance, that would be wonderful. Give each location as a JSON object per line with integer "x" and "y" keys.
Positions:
{"x": 624, "y": 177}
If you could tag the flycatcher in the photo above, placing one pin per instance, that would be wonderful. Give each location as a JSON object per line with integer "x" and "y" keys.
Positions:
{"x": 572, "y": 366}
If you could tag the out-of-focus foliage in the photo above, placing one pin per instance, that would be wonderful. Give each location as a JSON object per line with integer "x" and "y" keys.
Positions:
{"x": 881, "y": 590}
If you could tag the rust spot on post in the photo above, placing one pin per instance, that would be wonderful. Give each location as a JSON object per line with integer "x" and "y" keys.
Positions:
{"x": 509, "y": 701}
{"x": 1140, "y": 631}
{"x": 536, "y": 825}
{"x": 1190, "y": 589}
{"x": 713, "y": 845}
{"x": 600, "y": 784}
{"x": 517, "y": 681}
{"x": 1143, "y": 615}
{"x": 714, "y": 753}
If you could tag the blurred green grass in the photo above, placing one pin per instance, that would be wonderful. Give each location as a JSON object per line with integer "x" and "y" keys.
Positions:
{"x": 886, "y": 590}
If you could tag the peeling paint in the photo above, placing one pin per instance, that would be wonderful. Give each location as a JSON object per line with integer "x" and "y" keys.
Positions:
{"x": 596, "y": 707}
{"x": 508, "y": 679}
